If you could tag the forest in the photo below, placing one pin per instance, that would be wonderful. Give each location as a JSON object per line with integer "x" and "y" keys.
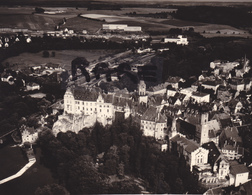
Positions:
{"x": 239, "y": 17}
{"x": 125, "y": 152}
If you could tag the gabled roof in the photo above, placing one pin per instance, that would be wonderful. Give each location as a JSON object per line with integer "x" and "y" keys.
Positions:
{"x": 211, "y": 83}
{"x": 173, "y": 79}
{"x": 31, "y": 130}
{"x": 119, "y": 101}
{"x": 172, "y": 100}
{"x": 150, "y": 114}
{"x": 232, "y": 133}
{"x": 180, "y": 96}
{"x": 189, "y": 146}
{"x": 237, "y": 168}
{"x": 213, "y": 154}
{"x": 161, "y": 119}
{"x": 32, "y": 84}
{"x": 246, "y": 187}
{"x": 85, "y": 94}
{"x": 199, "y": 94}
{"x": 155, "y": 100}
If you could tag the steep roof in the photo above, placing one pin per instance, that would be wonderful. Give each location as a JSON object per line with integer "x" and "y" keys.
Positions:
{"x": 85, "y": 94}
{"x": 246, "y": 187}
{"x": 150, "y": 114}
{"x": 237, "y": 168}
{"x": 211, "y": 83}
{"x": 232, "y": 133}
{"x": 172, "y": 100}
{"x": 199, "y": 94}
{"x": 161, "y": 119}
{"x": 189, "y": 146}
{"x": 213, "y": 154}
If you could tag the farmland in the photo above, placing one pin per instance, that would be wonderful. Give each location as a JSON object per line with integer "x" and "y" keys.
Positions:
{"x": 24, "y": 17}
{"x": 63, "y": 57}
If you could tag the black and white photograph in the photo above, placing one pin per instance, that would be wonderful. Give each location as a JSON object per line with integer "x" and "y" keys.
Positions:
{"x": 125, "y": 97}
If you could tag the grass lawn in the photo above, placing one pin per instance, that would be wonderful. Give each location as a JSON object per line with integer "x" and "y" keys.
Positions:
{"x": 63, "y": 57}
{"x": 11, "y": 161}
{"x": 36, "y": 176}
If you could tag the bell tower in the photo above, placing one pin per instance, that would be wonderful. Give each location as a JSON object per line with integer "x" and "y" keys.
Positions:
{"x": 141, "y": 88}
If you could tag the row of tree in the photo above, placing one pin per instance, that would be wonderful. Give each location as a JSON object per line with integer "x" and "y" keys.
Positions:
{"x": 123, "y": 150}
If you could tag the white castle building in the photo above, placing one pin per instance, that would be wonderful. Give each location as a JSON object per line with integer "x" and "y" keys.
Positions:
{"x": 90, "y": 102}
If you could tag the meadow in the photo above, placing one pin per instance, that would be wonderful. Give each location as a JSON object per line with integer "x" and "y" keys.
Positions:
{"x": 24, "y": 17}
{"x": 62, "y": 57}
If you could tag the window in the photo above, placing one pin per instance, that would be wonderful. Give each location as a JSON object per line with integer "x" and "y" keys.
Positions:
{"x": 82, "y": 103}
{"x": 107, "y": 110}
{"x": 91, "y": 109}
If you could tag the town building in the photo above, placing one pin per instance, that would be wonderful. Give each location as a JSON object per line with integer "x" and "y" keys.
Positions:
{"x": 192, "y": 152}
{"x": 180, "y": 40}
{"x": 29, "y": 134}
{"x": 239, "y": 172}
{"x": 102, "y": 107}
{"x": 153, "y": 123}
{"x": 32, "y": 86}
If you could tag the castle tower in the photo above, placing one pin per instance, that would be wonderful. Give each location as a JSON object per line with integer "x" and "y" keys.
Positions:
{"x": 69, "y": 104}
{"x": 204, "y": 118}
{"x": 141, "y": 88}
{"x": 173, "y": 128}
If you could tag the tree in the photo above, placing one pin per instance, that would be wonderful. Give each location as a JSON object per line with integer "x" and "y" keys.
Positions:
{"x": 84, "y": 178}
{"x": 46, "y": 54}
{"x": 124, "y": 187}
{"x": 39, "y": 10}
{"x": 52, "y": 189}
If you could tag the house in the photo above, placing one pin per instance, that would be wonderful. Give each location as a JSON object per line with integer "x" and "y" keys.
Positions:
{"x": 8, "y": 79}
{"x": 153, "y": 123}
{"x": 32, "y": 86}
{"x": 201, "y": 97}
{"x": 29, "y": 134}
{"x": 192, "y": 152}
{"x": 231, "y": 143}
{"x": 218, "y": 162}
{"x": 173, "y": 101}
{"x": 237, "y": 84}
{"x": 235, "y": 105}
{"x": 159, "y": 89}
{"x": 180, "y": 40}
{"x": 240, "y": 173}
{"x": 211, "y": 85}
{"x": 174, "y": 81}
{"x": 246, "y": 188}
{"x": 223, "y": 94}
{"x": 171, "y": 92}
{"x": 114, "y": 26}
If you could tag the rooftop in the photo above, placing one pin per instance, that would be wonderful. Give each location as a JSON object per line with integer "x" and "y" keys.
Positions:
{"x": 190, "y": 146}
{"x": 237, "y": 168}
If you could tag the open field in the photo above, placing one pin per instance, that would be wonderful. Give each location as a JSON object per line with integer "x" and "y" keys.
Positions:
{"x": 36, "y": 176}
{"x": 22, "y": 17}
{"x": 63, "y": 57}
{"x": 11, "y": 161}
